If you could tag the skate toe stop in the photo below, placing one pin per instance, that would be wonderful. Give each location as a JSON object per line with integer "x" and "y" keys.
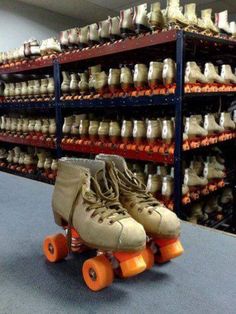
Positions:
{"x": 169, "y": 252}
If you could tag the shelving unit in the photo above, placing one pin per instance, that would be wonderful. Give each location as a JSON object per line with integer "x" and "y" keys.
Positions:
{"x": 180, "y": 44}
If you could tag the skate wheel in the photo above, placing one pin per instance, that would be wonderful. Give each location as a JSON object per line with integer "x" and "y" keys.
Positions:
{"x": 98, "y": 273}
{"x": 148, "y": 257}
{"x": 169, "y": 251}
{"x": 55, "y": 247}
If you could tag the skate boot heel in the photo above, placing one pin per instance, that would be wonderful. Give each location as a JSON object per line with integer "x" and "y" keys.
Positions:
{"x": 168, "y": 249}
{"x": 130, "y": 263}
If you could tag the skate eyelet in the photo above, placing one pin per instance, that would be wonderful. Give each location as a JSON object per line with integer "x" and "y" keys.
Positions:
{"x": 149, "y": 212}
{"x": 111, "y": 222}
{"x": 140, "y": 210}
{"x": 100, "y": 220}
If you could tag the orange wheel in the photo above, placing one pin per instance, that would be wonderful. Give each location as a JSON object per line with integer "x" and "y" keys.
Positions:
{"x": 55, "y": 247}
{"x": 98, "y": 273}
{"x": 148, "y": 257}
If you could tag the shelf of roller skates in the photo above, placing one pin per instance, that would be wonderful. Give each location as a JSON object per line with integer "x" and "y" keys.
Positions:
{"x": 31, "y": 140}
{"x": 31, "y": 57}
{"x": 32, "y": 176}
{"x": 30, "y": 162}
{"x": 205, "y": 176}
{"x": 144, "y": 138}
{"x": 214, "y": 210}
{"x": 24, "y": 130}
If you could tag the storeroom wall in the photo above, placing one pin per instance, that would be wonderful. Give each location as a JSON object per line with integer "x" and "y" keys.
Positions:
{"x": 19, "y": 22}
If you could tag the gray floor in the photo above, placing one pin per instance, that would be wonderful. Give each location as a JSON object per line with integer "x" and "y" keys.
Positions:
{"x": 203, "y": 280}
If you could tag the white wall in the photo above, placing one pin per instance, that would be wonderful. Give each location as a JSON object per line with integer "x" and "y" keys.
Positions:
{"x": 19, "y": 22}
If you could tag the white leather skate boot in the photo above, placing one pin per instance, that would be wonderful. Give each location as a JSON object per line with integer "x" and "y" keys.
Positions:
{"x": 169, "y": 72}
{"x": 64, "y": 39}
{"x": 193, "y": 128}
{"x": 226, "y": 122}
{"x": 126, "y": 22}
{"x": 103, "y": 31}
{"x": 155, "y": 74}
{"x": 93, "y": 36}
{"x": 65, "y": 85}
{"x": 140, "y": 19}
{"x": 232, "y": 26}
{"x": 210, "y": 172}
{"x": 191, "y": 179}
{"x": 217, "y": 165}
{"x": 210, "y": 124}
{"x": 114, "y": 28}
{"x": 167, "y": 131}
{"x": 191, "y": 16}
{"x": 193, "y": 74}
{"x": 73, "y": 37}
{"x": 211, "y": 75}
{"x": 206, "y": 23}
{"x": 222, "y": 23}
{"x": 155, "y": 16}
{"x": 83, "y": 36}
{"x": 175, "y": 17}
{"x": 227, "y": 74}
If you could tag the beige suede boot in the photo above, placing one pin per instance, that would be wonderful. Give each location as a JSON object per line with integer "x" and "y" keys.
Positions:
{"x": 83, "y": 199}
{"x": 161, "y": 225}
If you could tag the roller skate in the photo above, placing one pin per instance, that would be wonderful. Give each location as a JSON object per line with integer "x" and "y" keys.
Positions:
{"x": 194, "y": 132}
{"x": 196, "y": 214}
{"x": 212, "y": 206}
{"x": 206, "y": 24}
{"x": 222, "y": 23}
{"x": 232, "y": 26}
{"x": 191, "y": 17}
{"x": 212, "y": 128}
{"x": 126, "y": 80}
{"x": 194, "y": 78}
{"x": 155, "y": 75}
{"x": 93, "y": 36}
{"x": 140, "y": 19}
{"x": 103, "y": 31}
{"x": 83, "y": 37}
{"x": 126, "y": 23}
{"x": 114, "y": 28}
{"x": 175, "y": 18}
{"x": 214, "y": 176}
{"x": 196, "y": 184}
{"x": 86, "y": 205}
{"x": 227, "y": 74}
{"x": 161, "y": 225}
{"x": 228, "y": 124}
{"x": 155, "y": 17}
{"x": 140, "y": 77}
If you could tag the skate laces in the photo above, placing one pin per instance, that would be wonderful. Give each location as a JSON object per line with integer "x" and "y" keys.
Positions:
{"x": 104, "y": 204}
{"x": 134, "y": 185}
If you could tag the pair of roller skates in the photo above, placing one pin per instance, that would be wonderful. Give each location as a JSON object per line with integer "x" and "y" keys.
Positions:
{"x": 103, "y": 206}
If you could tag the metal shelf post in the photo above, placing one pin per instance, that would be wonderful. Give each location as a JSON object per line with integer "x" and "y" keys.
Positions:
{"x": 178, "y": 179}
{"x": 57, "y": 82}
